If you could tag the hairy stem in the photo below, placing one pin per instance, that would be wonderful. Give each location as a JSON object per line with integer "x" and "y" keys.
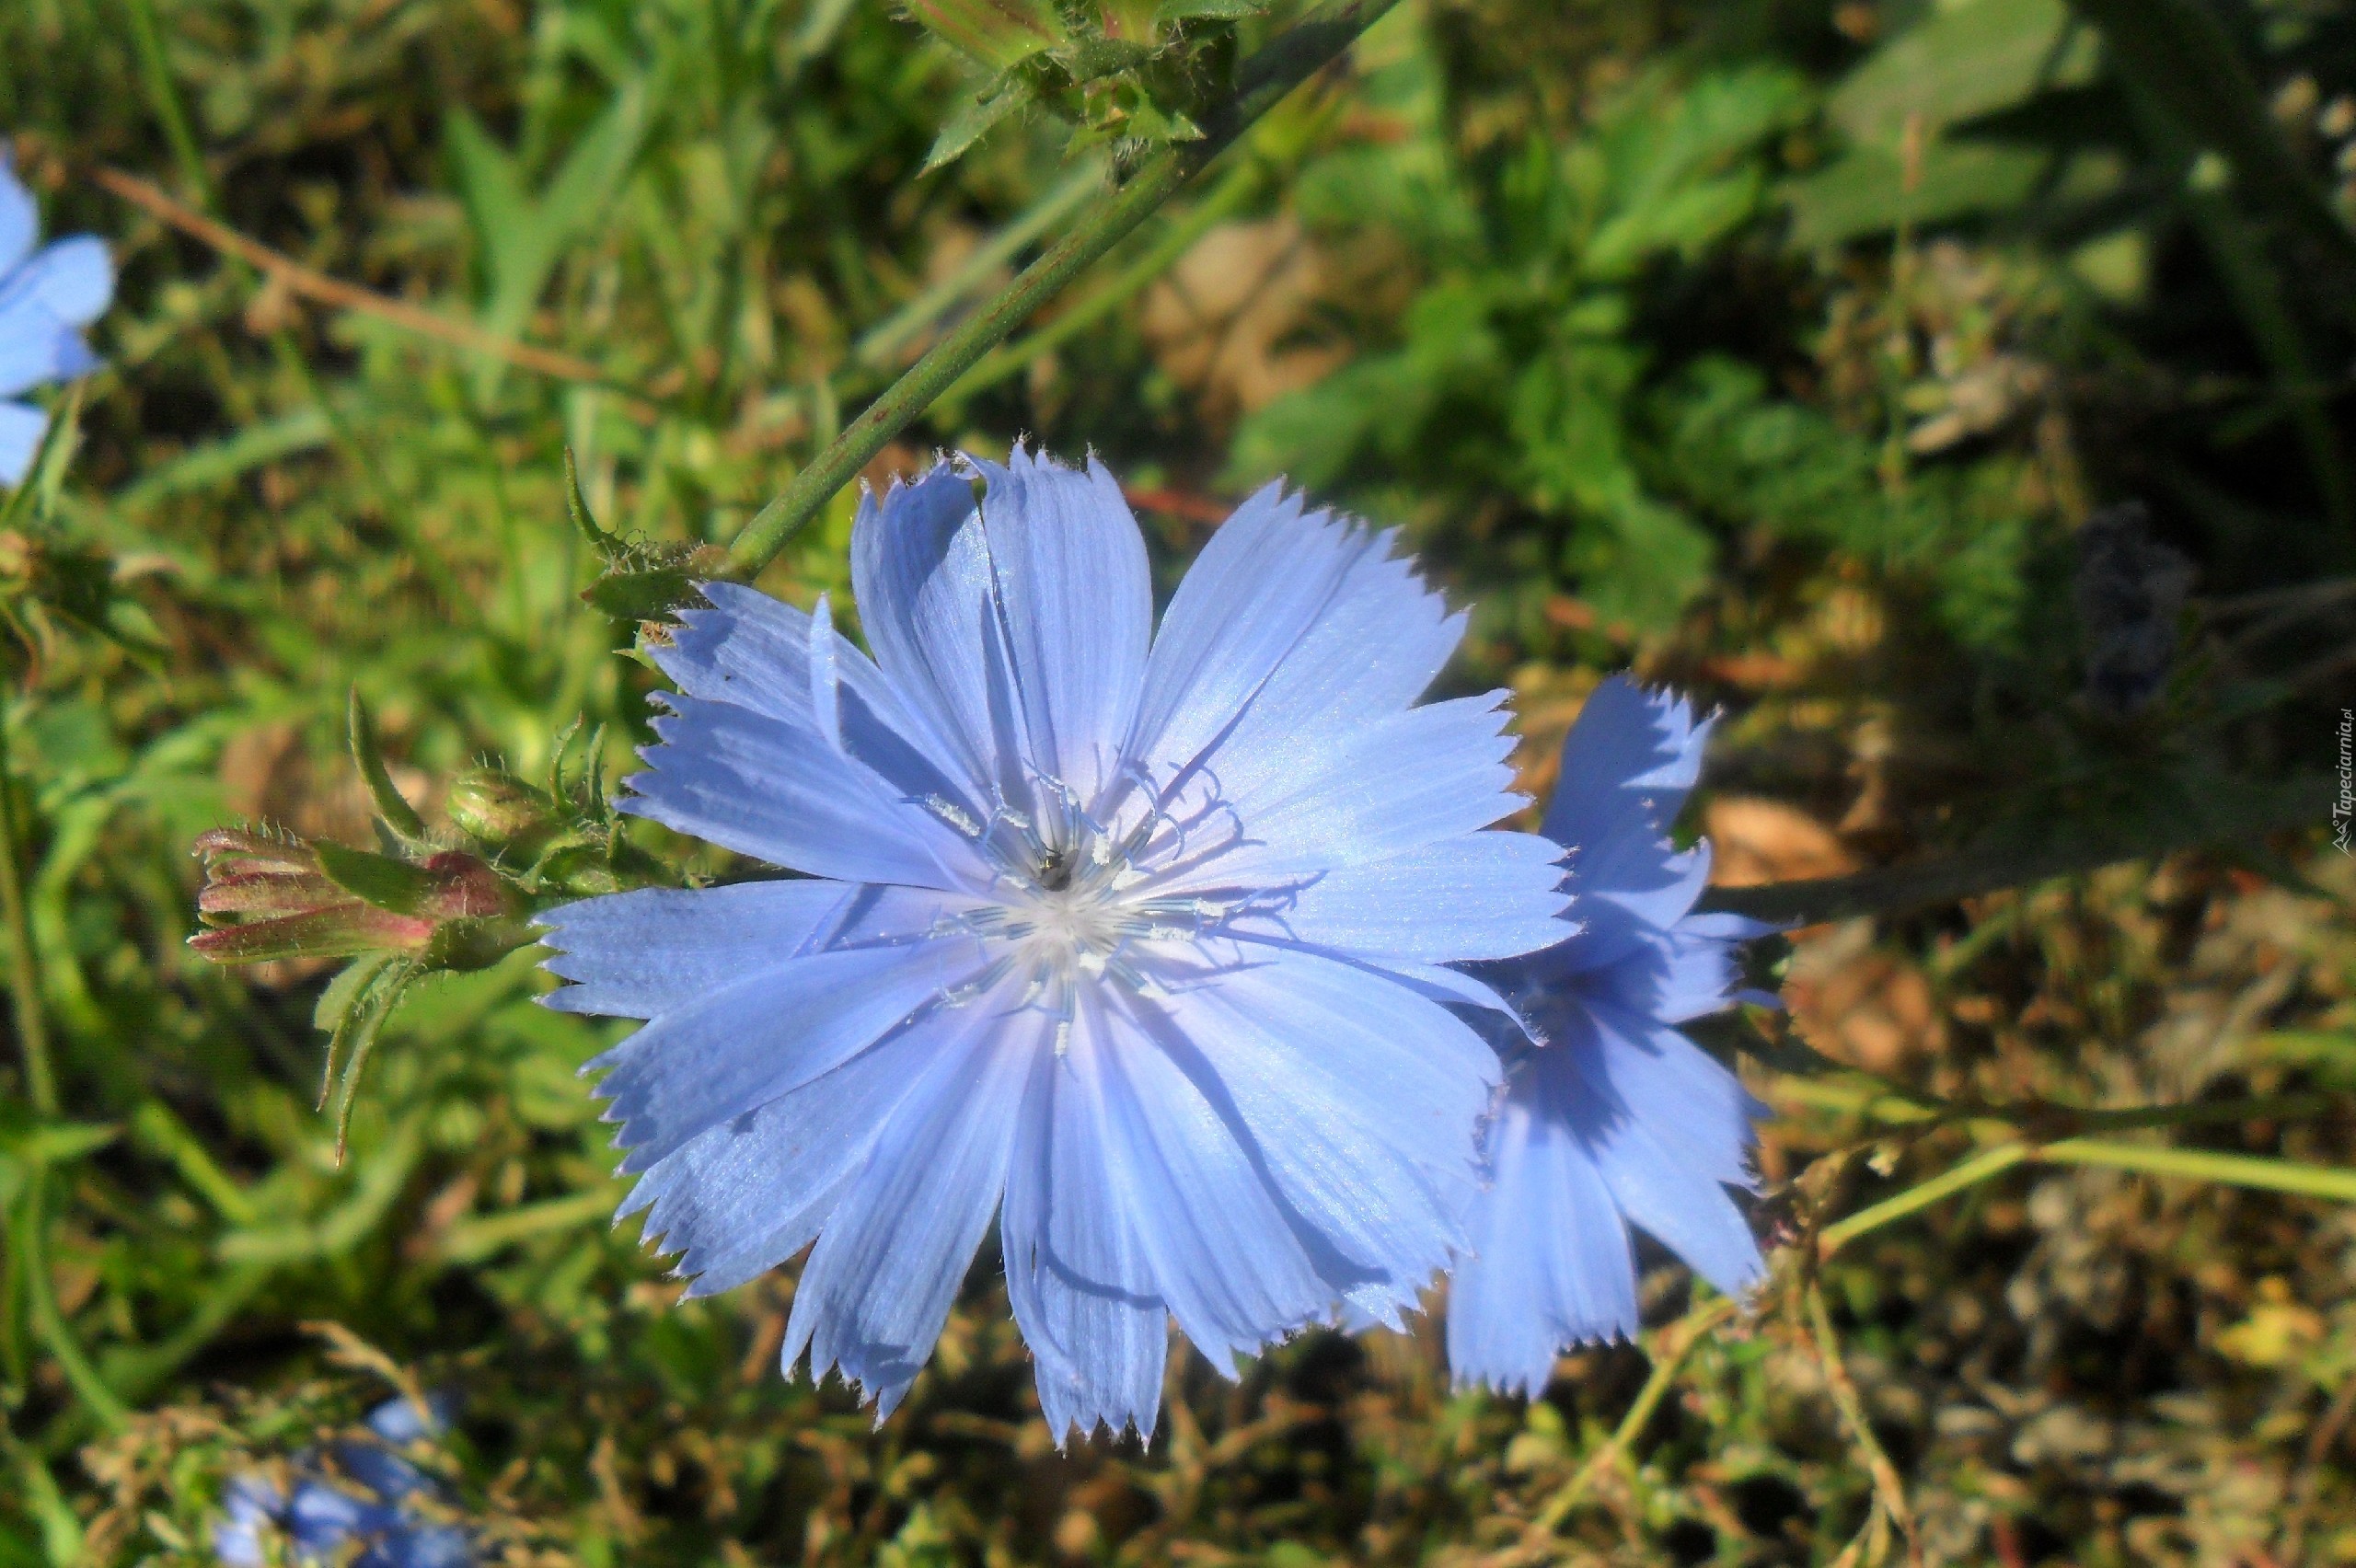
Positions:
{"x": 1265, "y": 79}
{"x": 1897, "y": 889}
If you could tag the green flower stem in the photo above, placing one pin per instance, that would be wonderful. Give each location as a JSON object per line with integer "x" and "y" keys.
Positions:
{"x": 1884, "y": 1102}
{"x": 1234, "y": 188}
{"x": 1888, "y": 1487}
{"x": 2302, "y": 803}
{"x": 2262, "y": 1171}
{"x": 880, "y": 343}
{"x": 1922, "y": 1196}
{"x": 1266, "y": 78}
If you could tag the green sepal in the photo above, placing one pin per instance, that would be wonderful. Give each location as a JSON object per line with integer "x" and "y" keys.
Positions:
{"x": 365, "y": 994}
{"x": 462, "y": 946}
{"x": 378, "y": 880}
{"x": 335, "y": 1002}
{"x": 973, "y": 120}
{"x": 368, "y": 756}
{"x": 653, "y": 594}
{"x": 609, "y": 547}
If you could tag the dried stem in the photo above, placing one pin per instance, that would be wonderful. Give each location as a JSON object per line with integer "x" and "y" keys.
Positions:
{"x": 1670, "y": 1350}
{"x": 1887, "y": 1489}
{"x": 297, "y": 279}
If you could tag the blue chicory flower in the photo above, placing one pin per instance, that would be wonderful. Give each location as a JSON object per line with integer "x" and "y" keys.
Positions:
{"x": 365, "y": 1515}
{"x": 1143, "y": 935}
{"x": 1612, "y": 1118}
{"x": 45, "y": 298}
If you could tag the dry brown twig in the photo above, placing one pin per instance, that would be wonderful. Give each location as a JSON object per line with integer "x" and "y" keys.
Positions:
{"x": 296, "y": 279}
{"x": 1890, "y": 1492}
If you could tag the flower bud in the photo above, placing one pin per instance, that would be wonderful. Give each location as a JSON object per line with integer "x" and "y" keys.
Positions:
{"x": 492, "y": 806}
{"x": 269, "y": 898}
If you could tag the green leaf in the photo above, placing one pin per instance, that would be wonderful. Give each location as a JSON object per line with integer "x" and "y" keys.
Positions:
{"x": 1868, "y": 191}
{"x": 35, "y": 1143}
{"x": 1962, "y": 62}
{"x": 521, "y": 237}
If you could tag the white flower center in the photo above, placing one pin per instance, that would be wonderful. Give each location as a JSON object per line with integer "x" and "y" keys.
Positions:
{"x": 1073, "y": 901}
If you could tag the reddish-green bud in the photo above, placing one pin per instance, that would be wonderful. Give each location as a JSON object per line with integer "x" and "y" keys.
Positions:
{"x": 266, "y": 898}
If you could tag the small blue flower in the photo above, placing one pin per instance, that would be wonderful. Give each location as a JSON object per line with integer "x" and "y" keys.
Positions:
{"x": 1145, "y": 936}
{"x": 45, "y": 298}
{"x": 365, "y": 1515}
{"x": 1614, "y": 1119}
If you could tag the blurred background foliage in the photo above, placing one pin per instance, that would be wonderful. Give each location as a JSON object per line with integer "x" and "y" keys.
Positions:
{"x": 1783, "y": 348}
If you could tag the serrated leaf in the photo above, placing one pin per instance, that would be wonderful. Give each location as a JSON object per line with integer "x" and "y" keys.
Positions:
{"x": 972, "y": 121}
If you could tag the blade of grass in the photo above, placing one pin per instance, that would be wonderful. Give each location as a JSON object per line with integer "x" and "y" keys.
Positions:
{"x": 163, "y": 98}
{"x": 2253, "y": 284}
{"x": 2179, "y": 52}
